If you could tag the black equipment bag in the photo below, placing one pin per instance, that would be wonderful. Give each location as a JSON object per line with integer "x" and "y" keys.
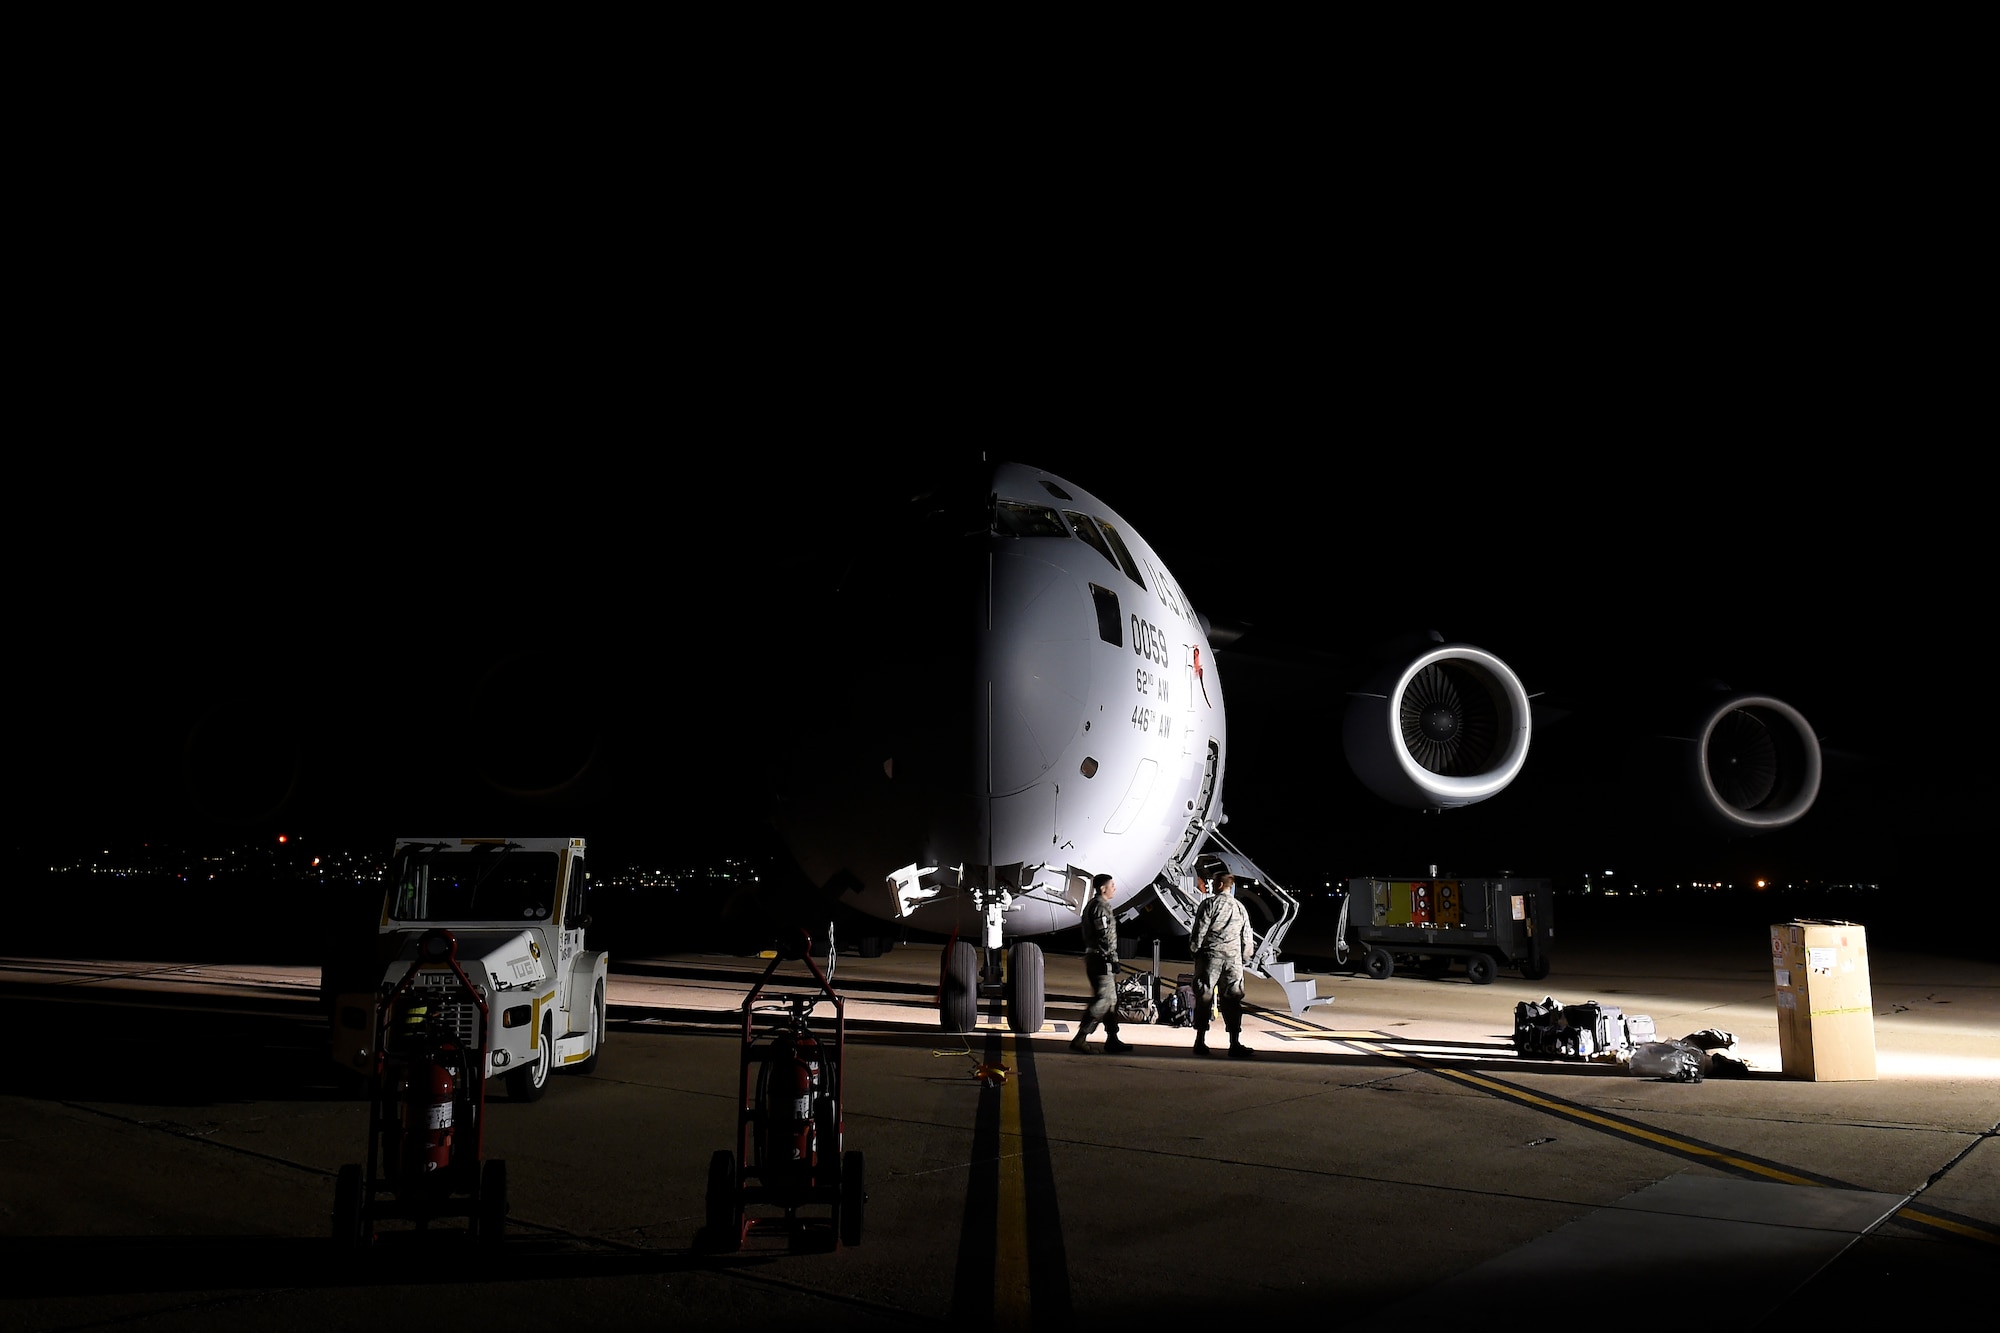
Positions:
{"x": 1597, "y": 1027}
{"x": 1135, "y": 999}
{"x": 1540, "y": 1030}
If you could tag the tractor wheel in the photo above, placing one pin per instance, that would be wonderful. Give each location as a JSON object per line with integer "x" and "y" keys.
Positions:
{"x": 529, "y": 1082}
{"x": 588, "y": 1065}
{"x": 1026, "y": 999}
{"x": 958, "y": 1001}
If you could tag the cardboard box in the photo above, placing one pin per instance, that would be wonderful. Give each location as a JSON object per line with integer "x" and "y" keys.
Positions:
{"x": 1826, "y": 1014}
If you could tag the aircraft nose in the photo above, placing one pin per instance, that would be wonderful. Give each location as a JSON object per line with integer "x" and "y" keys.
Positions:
{"x": 1036, "y": 667}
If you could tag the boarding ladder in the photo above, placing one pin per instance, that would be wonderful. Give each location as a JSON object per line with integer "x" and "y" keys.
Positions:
{"x": 1174, "y": 890}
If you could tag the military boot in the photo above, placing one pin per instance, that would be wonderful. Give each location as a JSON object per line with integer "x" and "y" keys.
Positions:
{"x": 1237, "y": 1050}
{"x": 1081, "y": 1041}
{"x": 1112, "y": 1043}
{"x": 1201, "y": 1044}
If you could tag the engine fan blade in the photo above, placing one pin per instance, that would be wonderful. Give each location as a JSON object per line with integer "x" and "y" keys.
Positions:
{"x": 1449, "y": 723}
{"x": 1743, "y": 760}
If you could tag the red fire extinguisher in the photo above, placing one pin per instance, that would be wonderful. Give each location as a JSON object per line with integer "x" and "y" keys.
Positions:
{"x": 429, "y": 1112}
{"x": 794, "y": 1088}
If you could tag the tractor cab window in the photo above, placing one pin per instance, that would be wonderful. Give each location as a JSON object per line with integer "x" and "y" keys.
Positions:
{"x": 576, "y": 902}
{"x": 485, "y": 883}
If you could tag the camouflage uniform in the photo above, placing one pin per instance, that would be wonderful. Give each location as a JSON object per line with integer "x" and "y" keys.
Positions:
{"x": 1221, "y": 943}
{"x": 1100, "y": 964}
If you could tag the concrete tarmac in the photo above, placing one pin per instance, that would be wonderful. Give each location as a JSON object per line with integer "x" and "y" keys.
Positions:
{"x": 172, "y": 1134}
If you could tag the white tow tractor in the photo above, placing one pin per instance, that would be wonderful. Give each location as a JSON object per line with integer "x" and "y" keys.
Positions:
{"x": 517, "y": 908}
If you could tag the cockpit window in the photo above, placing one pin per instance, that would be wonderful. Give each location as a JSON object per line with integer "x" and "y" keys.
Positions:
{"x": 1110, "y": 627}
{"x": 1086, "y": 528}
{"x": 1125, "y": 560}
{"x": 1104, "y": 539}
{"x": 486, "y": 884}
{"x": 1012, "y": 519}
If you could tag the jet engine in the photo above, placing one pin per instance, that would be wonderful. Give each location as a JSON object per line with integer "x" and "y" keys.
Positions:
{"x": 1446, "y": 727}
{"x": 1750, "y": 762}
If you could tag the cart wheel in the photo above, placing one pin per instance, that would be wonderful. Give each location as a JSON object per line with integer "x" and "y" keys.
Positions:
{"x": 588, "y": 1064}
{"x": 490, "y": 1222}
{"x": 1536, "y": 969}
{"x": 1480, "y": 968}
{"x": 725, "y": 1204}
{"x": 853, "y": 1194}
{"x": 958, "y": 1007}
{"x": 1025, "y": 997}
{"x": 826, "y": 1135}
{"x": 529, "y": 1082}
{"x": 350, "y": 1219}
{"x": 1381, "y": 963}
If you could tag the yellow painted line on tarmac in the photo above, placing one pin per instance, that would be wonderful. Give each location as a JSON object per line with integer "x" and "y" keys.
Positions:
{"x": 1330, "y": 1034}
{"x": 1371, "y": 1043}
{"x": 1013, "y": 1308}
{"x": 1925, "y": 1219}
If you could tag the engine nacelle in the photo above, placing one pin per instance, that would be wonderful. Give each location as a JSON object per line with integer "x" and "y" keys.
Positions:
{"x": 1750, "y": 762}
{"x": 1448, "y": 727}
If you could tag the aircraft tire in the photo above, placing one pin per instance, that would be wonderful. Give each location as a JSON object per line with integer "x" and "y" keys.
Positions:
{"x": 1026, "y": 996}
{"x": 958, "y": 998}
{"x": 1381, "y": 963}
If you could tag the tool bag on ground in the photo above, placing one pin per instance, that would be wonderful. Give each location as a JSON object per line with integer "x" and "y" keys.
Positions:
{"x": 1553, "y": 1030}
{"x": 1671, "y": 1061}
{"x": 1597, "y": 1027}
{"x": 1540, "y": 1030}
{"x": 1135, "y": 999}
{"x": 1177, "y": 1007}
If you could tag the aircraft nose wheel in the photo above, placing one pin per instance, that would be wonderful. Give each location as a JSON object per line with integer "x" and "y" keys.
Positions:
{"x": 1026, "y": 1001}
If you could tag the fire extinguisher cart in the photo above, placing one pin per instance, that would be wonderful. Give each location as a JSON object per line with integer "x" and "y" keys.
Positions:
{"x": 788, "y": 1154}
{"x": 427, "y": 1109}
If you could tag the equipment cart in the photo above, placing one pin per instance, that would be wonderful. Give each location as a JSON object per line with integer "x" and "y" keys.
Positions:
{"x": 789, "y": 1130}
{"x": 427, "y": 1109}
{"x": 1427, "y": 925}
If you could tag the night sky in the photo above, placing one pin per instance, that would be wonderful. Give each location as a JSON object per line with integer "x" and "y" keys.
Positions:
{"x": 441, "y": 650}
{"x": 413, "y": 550}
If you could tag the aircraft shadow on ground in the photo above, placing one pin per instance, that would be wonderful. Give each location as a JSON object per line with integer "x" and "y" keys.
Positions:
{"x": 50, "y": 1266}
{"x": 182, "y": 1055}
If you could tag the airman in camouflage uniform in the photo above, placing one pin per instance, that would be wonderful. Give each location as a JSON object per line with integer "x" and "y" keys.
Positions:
{"x": 1221, "y": 942}
{"x": 1100, "y": 964}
